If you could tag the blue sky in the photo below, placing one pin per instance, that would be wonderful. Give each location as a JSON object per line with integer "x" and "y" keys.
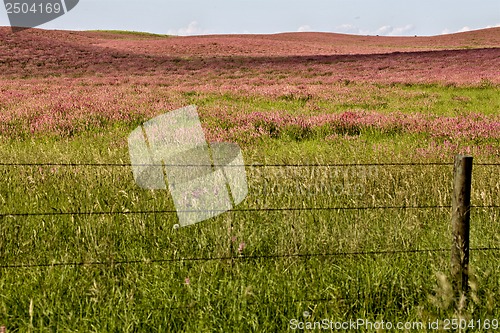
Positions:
{"x": 193, "y": 17}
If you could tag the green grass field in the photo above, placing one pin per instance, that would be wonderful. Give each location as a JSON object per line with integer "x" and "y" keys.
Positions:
{"x": 248, "y": 270}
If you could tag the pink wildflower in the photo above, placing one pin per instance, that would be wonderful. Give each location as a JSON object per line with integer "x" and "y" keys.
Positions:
{"x": 241, "y": 247}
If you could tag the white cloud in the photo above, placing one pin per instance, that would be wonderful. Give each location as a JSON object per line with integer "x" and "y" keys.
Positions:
{"x": 386, "y": 30}
{"x": 193, "y": 28}
{"x": 304, "y": 28}
{"x": 348, "y": 29}
{"x": 467, "y": 28}
{"x": 401, "y": 31}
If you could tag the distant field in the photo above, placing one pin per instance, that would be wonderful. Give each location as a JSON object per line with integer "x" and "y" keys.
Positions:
{"x": 126, "y": 34}
{"x": 289, "y": 99}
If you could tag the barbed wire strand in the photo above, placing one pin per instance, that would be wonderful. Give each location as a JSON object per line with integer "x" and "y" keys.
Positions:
{"x": 238, "y": 257}
{"x": 248, "y": 210}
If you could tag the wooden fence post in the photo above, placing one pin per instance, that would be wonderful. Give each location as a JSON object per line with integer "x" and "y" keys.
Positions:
{"x": 460, "y": 220}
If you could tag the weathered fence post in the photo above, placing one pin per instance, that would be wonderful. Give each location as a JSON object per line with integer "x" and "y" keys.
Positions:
{"x": 460, "y": 219}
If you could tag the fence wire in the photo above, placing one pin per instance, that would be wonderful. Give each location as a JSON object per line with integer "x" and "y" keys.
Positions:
{"x": 248, "y": 210}
{"x": 239, "y": 258}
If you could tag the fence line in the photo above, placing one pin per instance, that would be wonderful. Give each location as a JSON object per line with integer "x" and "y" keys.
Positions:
{"x": 248, "y": 210}
{"x": 239, "y": 257}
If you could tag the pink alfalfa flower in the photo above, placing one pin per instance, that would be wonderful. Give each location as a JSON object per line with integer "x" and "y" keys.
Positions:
{"x": 241, "y": 247}
{"x": 187, "y": 281}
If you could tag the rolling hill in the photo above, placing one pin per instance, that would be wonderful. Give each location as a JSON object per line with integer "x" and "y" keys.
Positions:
{"x": 463, "y": 58}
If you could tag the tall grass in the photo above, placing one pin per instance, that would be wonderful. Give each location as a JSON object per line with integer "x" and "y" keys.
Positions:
{"x": 244, "y": 270}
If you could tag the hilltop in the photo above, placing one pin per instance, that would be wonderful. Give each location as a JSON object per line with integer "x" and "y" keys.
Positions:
{"x": 460, "y": 58}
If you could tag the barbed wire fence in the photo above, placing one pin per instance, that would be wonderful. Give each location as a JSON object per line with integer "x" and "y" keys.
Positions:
{"x": 241, "y": 257}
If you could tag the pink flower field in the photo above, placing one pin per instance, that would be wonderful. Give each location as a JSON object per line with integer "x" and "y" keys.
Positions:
{"x": 341, "y": 210}
{"x": 65, "y": 83}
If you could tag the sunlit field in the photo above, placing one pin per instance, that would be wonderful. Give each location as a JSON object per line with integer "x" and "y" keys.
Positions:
{"x": 348, "y": 144}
